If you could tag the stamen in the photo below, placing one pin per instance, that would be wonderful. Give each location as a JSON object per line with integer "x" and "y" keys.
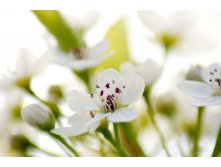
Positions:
{"x": 97, "y": 86}
{"x": 117, "y": 90}
{"x": 211, "y": 73}
{"x": 113, "y": 81}
{"x": 124, "y": 86}
{"x": 92, "y": 115}
{"x": 215, "y": 70}
{"x": 107, "y": 85}
{"x": 101, "y": 93}
{"x": 92, "y": 95}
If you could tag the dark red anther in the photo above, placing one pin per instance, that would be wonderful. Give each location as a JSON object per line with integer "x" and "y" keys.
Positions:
{"x": 101, "y": 93}
{"x": 107, "y": 85}
{"x": 117, "y": 90}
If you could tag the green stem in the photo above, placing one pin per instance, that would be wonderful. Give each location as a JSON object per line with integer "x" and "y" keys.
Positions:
{"x": 46, "y": 151}
{"x": 116, "y": 134}
{"x": 217, "y": 147}
{"x": 106, "y": 133}
{"x": 70, "y": 148}
{"x": 198, "y": 131}
{"x": 150, "y": 112}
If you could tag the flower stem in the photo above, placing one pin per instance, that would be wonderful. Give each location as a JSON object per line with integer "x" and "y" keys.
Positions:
{"x": 198, "y": 131}
{"x": 70, "y": 148}
{"x": 46, "y": 151}
{"x": 116, "y": 135}
{"x": 217, "y": 147}
{"x": 150, "y": 112}
{"x": 107, "y": 134}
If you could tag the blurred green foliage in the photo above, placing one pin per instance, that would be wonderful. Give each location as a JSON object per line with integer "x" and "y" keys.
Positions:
{"x": 58, "y": 27}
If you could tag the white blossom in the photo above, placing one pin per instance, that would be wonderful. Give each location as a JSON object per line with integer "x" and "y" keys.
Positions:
{"x": 113, "y": 95}
{"x": 208, "y": 92}
{"x": 176, "y": 32}
{"x": 27, "y": 65}
{"x": 82, "y": 58}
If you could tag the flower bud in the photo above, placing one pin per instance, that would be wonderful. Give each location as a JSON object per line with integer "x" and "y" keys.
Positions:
{"x": 194, "y": 73}
{"x": 39, "y": 116}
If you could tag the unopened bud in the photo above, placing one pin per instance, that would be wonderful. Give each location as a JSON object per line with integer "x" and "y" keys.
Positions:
{"x": 39, "y": 116}
{"x": 194, "y": 73}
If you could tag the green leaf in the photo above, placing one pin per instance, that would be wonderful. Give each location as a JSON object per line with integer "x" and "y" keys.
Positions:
{"x": 58, "y": 27}
{"x": 116, "y": 37}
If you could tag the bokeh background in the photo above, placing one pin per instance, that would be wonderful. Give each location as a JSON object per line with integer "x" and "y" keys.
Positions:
{"x": 21, "y": 29}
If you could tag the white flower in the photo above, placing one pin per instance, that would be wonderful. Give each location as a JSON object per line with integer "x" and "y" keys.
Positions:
{"x": 175, "y": 33}
{"x": 113, "y": 95}
{"x": 206, "y": 93}
{"x": 38, "y": 116}
{"x": 149, "y": 70}
{"x": 83, "y": 58}
{"x": 26, "y": 66}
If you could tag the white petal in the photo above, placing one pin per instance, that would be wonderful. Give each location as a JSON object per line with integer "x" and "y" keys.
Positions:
{"x": 90, "y": 19}
{"x": 97, "y": 118}
{"x": 88, "y": 63}
{"x": 98, "y": 49}
{"x": 134, "y": 87}
{"x": 79, "y": 119}
{"x": 70, "y": 131}
{"x": 122, "y": 115}
{"x": 149, "y": 70}
{"x": 94, "y": 126}
{"x": 215, "y": 100}
{"x": 79, "y": 101}
{"x": 108, "y": 76}
{"x": 127, "y": 67}
{"x": 206, "y": 72}
{"x": 195, "y": 89}
{"x": 24, "y": 62}
{"x": 153, "y": 21}
{"x": 183, "y": 22}
{"x": 195, "y": 43}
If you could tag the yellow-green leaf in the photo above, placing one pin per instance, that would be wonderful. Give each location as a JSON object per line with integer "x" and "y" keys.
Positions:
{"x": 117, "y": 39}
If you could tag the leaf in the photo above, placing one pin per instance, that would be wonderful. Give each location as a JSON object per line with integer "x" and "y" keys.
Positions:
{"x": 116, "y": 37}
{"x": 58, "y": 27}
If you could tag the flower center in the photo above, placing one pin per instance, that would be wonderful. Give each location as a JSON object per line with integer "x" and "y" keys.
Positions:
{"x": 168, "y": 40}
{"x": 109, "y": 95}
{"x": 80, "y": 53}
{"x": 215, "y": 81}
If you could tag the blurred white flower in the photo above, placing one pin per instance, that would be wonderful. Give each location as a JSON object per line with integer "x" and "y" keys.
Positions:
{"x": 83, "y": 58}
{"x": 39, "y": 116}
{"x": 149, "y": 70}
{"x": 85, "y": 23}
{"x": 27, "y": 65}
{"x": 208, "y": 92}
{"x": 177, "y": 32}
{"x": 113, "y": 95}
